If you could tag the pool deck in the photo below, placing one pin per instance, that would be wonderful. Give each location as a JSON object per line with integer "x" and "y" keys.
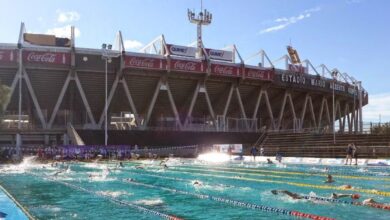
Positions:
{"x": 10, "y": 209}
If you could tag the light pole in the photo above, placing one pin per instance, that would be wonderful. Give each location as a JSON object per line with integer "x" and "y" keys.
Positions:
{"x": 107, "y": 55}
{"x": 203, "y": 18}
{"x": 334, "y": 76}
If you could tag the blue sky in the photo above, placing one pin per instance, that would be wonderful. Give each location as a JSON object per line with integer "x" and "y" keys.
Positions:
{"x": 352, "y": 35}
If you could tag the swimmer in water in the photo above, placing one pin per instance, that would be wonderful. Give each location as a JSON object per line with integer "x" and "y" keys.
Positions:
{"x": 292, "y": 195}
{"x": 338, "y": 196}
{"x": 120, "y": 164}
{"x": 329, "y": 179}
{"x": 139, "y": 167}
{"x": 346, "y": 187}
{"x": 197, "y": 183}
{"x": 269, "y": 161}
{"x": 129, "y": 180}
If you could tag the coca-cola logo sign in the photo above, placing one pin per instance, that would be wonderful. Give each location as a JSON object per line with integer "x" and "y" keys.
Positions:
{"x": 42, "y": 58}
{"x": 141, "y": 62}
{"x": 46, "y": 57}
{"x": 223, "y": 70}
{"x": 185, "y": 66}
{"x": 256, "y": 74}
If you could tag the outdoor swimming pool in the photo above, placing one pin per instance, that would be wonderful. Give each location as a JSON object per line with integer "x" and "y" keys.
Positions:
{"x": 228, "y": 190}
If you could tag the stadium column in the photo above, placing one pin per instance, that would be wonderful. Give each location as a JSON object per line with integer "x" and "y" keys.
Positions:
{"x": 152, "y": 103}
{"x": 227, "y": 104}
{"x": 309, "y": 101}
{"x": 258, "y": 100}
{"x": 192, "y": 104}
{"x": 84, "y": 99}
{"x": 360, "y": 107}
{"x": 263, "y": 92}
{"x": 173, "y": 105}
{"x": 210, "y": 107}
{"x": 110, "y": 96}
{"x": 324, "y": 106}
{"x": 242, "y": 109}
{"x": 34, "y": 99}
{"x": 129, "y": 98}
{"x": 287, "y": 96}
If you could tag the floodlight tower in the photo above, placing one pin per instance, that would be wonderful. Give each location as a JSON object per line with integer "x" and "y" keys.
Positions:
{"x": 203, "y": 18}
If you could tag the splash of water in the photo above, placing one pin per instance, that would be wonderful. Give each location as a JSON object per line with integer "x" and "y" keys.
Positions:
{"x": 26, "y": 164}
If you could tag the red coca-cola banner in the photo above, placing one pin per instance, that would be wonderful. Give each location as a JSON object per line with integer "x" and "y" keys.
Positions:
{"x": 256, "y": 73}
{"x": 144, "y": 62}
{"x": 225, "y": 70}
{"x": 8, "y": 56}
{"x": 56, "y": 58}
{"x": 187, "y": 66}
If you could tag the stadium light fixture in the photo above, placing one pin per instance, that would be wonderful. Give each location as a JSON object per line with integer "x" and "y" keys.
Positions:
{"x": 203, "y": 18}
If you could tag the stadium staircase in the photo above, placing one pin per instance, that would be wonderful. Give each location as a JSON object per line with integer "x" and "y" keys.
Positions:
{"x": 322, "y": 145}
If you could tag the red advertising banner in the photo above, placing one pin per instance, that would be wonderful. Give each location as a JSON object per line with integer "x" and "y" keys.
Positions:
{"x": 261, "y": 74}
{"x": 7, "y": 56}
{"x": 144, "y": 62}
{"x": 57, "y": 58}
{"x": 225, "y": 70}
{"x": 186, "y": 66}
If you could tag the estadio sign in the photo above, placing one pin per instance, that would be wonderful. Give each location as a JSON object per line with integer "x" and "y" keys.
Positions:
{"x": 186, "y": 66}
{"x": 7, "y": 56}
{"x": 144, "y": 62}
{"x": 257, "y": 73}
{"x": 46, "y": 57}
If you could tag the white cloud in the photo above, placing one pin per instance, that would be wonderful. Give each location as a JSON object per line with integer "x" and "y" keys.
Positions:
{"x": 289, "y": 21}
{"x": 378, "y": 104}
{"x": 63, "y": 31}
{"x": 67, "y": 16}
{"x": 133, "y": 44}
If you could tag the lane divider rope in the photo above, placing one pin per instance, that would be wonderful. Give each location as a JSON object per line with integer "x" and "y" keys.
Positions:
{"x": 234, "y": 202}
{"x": 297, "y": 173}
{"x": 380, "y": 206}
{"x": 369, "y": 191}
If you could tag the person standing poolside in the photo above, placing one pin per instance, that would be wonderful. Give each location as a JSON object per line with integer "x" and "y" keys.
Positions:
{"x": 349, "y": 154}
{"x": 254, "y": 152}
{"x": 354, "y": 154}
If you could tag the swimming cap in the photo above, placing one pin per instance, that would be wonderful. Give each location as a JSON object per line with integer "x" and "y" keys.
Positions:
{"x": 355, "y": 196}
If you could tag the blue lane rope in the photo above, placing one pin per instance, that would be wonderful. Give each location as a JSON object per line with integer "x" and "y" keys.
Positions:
{"x": 232, "y": 202}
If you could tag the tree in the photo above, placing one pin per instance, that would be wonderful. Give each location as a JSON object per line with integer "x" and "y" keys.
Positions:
{"x": 5, "y": 95}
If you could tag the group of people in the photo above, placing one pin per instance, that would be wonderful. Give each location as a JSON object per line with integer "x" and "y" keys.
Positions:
{"x": 351, "y": 153}
{"x": 78, "y": 152}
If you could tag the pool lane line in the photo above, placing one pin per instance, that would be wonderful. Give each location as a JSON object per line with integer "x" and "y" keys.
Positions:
{"x": 379, "y": 206}
{"x": 336, "y": 174}
{"x": 24, "y": 210}
{"x": 233, "y": 202}
{"x": 368, "y": 191}
{"x": 111, "y": 198}
{"x": 294, "y": 173}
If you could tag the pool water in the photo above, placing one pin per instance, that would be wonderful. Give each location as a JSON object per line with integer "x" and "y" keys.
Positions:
{"x": 147, "y": 190}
